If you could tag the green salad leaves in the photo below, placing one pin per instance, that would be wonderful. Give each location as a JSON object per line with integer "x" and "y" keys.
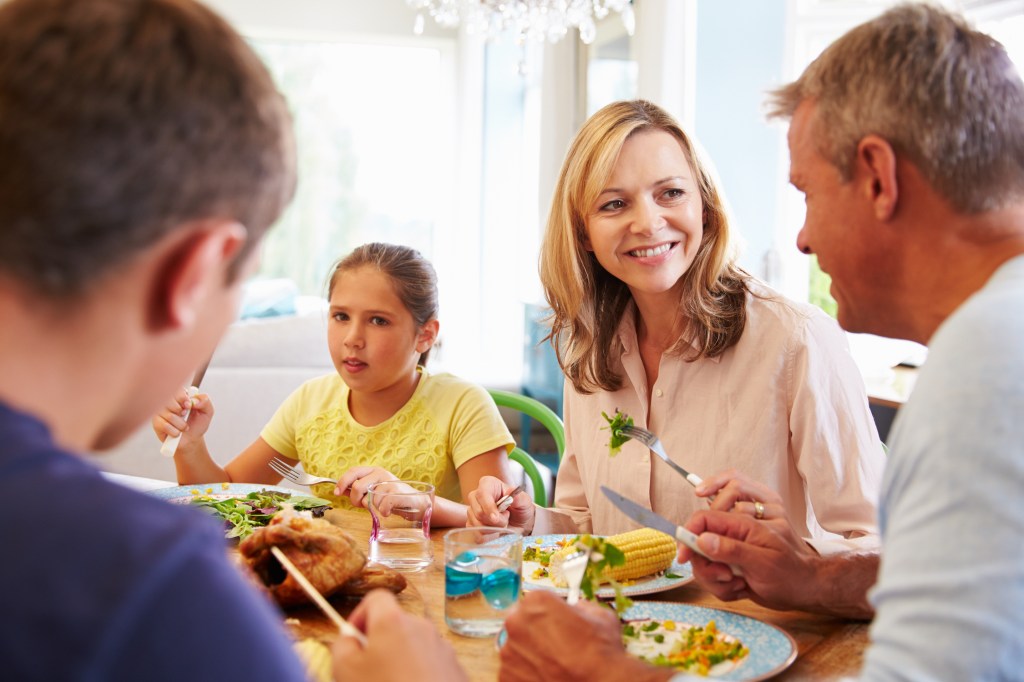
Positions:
{"x": 615, "y": 425}
{"x": 603, "y": 554}
{"x": 243, "y": 515}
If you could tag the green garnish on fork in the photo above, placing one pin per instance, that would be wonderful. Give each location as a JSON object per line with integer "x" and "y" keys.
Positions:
{"x": 615, "y": 425}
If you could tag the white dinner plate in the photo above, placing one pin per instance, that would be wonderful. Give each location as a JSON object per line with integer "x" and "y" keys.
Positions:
{"x": 677, "y": 574}
{"x": 183, "y": 494}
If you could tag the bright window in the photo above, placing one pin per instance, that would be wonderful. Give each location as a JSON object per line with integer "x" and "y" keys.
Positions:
{"x": 374, "y": 153}
{"x": 395, "y": 151}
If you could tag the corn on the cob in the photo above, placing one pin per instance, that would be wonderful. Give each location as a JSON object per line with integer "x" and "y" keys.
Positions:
{"x": 647, "y": 551}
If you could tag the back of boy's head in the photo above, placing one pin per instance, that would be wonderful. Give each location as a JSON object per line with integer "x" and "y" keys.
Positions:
{"x": 121, "y": 120}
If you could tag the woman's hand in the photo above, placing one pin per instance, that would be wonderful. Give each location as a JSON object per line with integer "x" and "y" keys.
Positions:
{"x": 483, "y": 506}
{"x": 170, "y": 421}
{"x": 357, "y": 480}
{"x": 735, "y": 491}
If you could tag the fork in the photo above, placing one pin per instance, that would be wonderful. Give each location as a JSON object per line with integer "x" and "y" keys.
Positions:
{"x": 654, "y": 445}
{"x": 297, "y": 477}
{"x": 573, "y": 568}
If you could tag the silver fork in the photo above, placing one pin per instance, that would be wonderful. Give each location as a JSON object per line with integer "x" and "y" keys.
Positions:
{"x": 297, "y": 477}
{"x": 573, "y": 568}
{"x": 653, "y": 443}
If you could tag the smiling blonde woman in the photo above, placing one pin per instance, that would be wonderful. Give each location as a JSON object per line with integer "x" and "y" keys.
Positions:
{"x": 651, "y": 316}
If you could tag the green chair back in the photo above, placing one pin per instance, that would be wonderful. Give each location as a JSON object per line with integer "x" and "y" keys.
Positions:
{"x": 546, "y": 416}
{"x": 536, "y": 410}
{"x": 529, "y": 464}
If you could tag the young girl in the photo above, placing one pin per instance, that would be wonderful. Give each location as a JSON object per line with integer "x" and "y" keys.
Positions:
{"x": 382, "y": 416}
{"x": 652, "y": 317}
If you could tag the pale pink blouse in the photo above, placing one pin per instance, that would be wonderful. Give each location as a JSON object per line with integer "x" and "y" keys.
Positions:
{"x": 786, "y": 405}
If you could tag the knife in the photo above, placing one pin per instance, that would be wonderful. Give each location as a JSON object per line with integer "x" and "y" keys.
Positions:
{"x": 645, "y": 517}
{"x": 170, "y": 444}
{"x": 506, "y": 501}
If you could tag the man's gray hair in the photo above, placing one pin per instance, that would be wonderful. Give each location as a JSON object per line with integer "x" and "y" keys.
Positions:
{"x": 943, "y": 94}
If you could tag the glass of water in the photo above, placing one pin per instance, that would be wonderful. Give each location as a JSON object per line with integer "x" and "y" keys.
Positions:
{"x": 400, "y": 536}
{"x": 481, "y": 578}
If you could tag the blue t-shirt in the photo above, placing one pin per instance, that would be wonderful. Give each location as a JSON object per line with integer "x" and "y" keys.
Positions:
{"x": 99, "y": 582}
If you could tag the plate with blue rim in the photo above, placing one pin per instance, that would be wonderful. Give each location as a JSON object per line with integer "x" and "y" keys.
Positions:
{"x": 183, "y": 494}
{"x": 771, "y": 649}
{"x": 677, "y": 574}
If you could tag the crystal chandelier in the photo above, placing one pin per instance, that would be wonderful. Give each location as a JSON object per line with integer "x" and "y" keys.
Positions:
{"x": 536, "y": 20}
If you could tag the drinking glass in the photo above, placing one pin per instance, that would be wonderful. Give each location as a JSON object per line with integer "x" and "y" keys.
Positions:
{"x": 400, "y": 536}
{"x": 482, "y": 569}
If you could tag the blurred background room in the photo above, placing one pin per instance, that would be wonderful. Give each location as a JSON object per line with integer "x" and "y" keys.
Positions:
{"x": 448, "y": 138}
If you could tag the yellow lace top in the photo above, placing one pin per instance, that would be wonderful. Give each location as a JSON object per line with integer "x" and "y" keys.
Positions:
{"x": 445, "y": 423}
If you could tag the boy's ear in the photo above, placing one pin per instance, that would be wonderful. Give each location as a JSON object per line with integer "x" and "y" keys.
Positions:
{"x": 427, "y": 336}
{"x": 195, "y": 266}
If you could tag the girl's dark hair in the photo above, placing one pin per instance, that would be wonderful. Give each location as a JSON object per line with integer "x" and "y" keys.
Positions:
{"x": 411, "y": 274}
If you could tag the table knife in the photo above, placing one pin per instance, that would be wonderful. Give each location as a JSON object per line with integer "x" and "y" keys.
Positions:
{"x": 170, "y": 444}
{"x": 647, "y": 518}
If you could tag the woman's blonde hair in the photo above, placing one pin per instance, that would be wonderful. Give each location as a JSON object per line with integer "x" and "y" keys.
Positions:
{"x": 587, "y": 302}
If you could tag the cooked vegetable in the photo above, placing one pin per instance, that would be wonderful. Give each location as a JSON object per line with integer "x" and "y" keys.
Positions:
{"x": 603, "y": 556}
{"x": 242, "y": 515}
{"x": 615, "y": 425}
{"x": 645, "y": 551}
{"x": 695, "y": 649}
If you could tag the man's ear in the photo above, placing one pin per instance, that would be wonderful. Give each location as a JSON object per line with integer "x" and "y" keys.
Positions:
{"x": 427, "y": 336}
{"x": 876, "y": 168}
{"x": 194, "y": 266}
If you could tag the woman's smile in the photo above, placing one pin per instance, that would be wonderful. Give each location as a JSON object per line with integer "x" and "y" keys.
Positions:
{"x": 653, "y": 254}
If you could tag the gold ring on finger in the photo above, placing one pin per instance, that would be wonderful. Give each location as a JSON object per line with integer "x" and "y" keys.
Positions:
{"x": 758, "y": 510}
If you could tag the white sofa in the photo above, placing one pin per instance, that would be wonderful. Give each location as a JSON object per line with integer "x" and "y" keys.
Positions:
{"x": 258, "y": 363}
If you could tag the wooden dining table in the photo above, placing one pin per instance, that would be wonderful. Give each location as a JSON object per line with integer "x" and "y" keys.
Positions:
{"x": 828, "y": 648}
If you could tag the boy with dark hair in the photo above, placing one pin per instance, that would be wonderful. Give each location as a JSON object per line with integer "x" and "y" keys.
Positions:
{"x": 144, "y": 150}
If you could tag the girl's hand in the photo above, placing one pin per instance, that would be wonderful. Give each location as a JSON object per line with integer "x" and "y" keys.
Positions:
{"x": 735, "y": 491}
{"x": 483, "y": 506}
{"x": 357, "y": 480}
{"x": 401, "y": 498}
{"x": 170, "y": 422}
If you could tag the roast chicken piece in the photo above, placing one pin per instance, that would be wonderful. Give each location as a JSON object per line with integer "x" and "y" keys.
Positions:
{"x": 373, "y": 576}
{"x": 324, "y": 553}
